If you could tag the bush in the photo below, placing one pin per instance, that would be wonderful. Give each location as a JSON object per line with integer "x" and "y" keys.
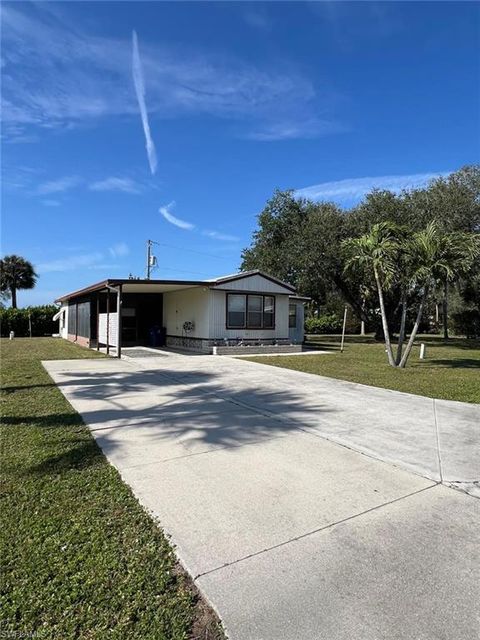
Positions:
{"x": 17, "y": 320}
{"x": 467, "y": 323}
{"x": 328, "y": 323}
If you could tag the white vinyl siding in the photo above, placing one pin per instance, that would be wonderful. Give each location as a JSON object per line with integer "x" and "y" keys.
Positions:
{"x": 186, "y": 305}
{"x": 255, "y": 284}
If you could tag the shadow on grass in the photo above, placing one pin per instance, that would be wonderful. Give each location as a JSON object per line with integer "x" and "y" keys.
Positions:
{"x": 27, "y": 387}
{"x": 49, "y": 421}
{"x": 81, "y": 454}
{"x": 457, "y": 363}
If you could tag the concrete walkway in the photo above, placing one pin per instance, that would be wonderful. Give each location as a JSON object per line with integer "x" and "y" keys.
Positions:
{"x": 306, "y": 508}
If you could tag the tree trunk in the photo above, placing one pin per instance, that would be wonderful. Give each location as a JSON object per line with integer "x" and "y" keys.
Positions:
{"x": 386, "y": 332}
{"x": 13, "y": 291}
{"x": 401, "y": 336}
{"x": 445, "y": 310}
{"x": 408, "y": 349}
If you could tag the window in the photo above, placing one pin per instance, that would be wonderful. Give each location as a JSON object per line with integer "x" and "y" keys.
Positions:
{"x": 236, "y": 311}
{"x": 269, "y": 312}
{"x": 292, "y": 316}
{"x": 249, "y": 311}
{"x": 255, "y": 312}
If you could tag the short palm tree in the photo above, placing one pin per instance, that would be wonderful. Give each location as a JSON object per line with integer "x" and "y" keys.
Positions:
{"x": 16, "y": 273}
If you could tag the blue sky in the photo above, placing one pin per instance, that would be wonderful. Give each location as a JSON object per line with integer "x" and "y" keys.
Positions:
{"x": 181, "y": 132}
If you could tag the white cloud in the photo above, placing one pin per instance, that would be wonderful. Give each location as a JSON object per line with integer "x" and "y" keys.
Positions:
{"x": 125, "y": 185}
{"x": 58, "y": 186}
{"x": 51, "y": 203}
{"x": 119, "y": 250}
{"x": 57, "y": 75}
{"x": 354, "y": 189}
{"x": 216, "y": 235}
{"x": 139, "y": 83}
{"x": 298, "y": 128}
{"x": 182, "y": 224}
{"x": 86, "y": 260}
{"x": 70, "y": 263}
{"x": 258, "y": 18}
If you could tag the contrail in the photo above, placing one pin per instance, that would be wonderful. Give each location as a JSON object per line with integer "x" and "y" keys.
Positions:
{"x": 182, "y": 224}
{"x": 140, "y": 91}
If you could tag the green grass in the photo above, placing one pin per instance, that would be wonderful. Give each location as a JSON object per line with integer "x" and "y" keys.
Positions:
{"x": 80, "y": 557}
{"x": 451, "y": 370}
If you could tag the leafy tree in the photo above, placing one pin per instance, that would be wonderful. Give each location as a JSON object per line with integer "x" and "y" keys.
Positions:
{"x": 16, "y": 273}
{"x": 453, "y": 202}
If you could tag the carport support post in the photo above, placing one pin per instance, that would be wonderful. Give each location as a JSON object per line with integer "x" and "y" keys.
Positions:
{"x": 98, "y": 320}
{"x": 119, "y": 321}
{"x": 108, "y": 322}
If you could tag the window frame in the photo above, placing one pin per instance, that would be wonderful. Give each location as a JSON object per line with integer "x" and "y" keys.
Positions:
{"x": 246, "y": 324}
{"x": 292, "y": 315}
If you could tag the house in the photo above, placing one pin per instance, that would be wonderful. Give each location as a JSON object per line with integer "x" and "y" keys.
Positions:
{"x": 241, "y": 311}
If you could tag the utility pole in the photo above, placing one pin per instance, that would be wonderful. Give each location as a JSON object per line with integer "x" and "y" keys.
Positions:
{"x": 149, "y": 258}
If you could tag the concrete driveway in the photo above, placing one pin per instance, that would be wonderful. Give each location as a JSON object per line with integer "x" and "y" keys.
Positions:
{"x": 306, "y": 508}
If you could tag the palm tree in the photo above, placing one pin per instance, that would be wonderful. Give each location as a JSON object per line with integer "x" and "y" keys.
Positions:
{"x": 377, "y": 251}
{"x": 415, "y": 263}
{"x": 435, "y": 256}
{"x": 16, "y": 273}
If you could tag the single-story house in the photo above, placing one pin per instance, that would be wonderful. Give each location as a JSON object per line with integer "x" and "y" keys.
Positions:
{"x": 249, "y": 308}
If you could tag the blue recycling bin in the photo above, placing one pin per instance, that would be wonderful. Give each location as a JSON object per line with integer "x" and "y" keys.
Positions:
{"x": 157, "y": 336}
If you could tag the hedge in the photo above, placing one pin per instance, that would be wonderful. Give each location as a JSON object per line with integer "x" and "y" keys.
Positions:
{"x": 467, "y": 323}
{"x": 17, "y": 320}
{"x": 328, "y": 323}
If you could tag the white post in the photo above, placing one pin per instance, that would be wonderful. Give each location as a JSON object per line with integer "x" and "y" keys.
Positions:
{"x": 12, "y": 335}
{"x": 344, "y": 327}
{"x": 422, "y": 351}
{"x": 30, "y": 325}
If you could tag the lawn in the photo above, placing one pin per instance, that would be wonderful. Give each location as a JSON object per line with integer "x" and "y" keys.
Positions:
{"x": 80, "y": 557}
{"x": 451, "y": 370}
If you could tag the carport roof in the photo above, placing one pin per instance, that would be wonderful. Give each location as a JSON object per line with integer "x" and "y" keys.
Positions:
{"x": 130, "y": 285}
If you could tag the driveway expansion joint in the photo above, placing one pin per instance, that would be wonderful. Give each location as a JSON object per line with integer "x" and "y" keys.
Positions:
{"x": 314, "y": 531}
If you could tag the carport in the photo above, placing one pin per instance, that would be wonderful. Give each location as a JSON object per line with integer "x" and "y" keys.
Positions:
{"x": 93, "y": 320}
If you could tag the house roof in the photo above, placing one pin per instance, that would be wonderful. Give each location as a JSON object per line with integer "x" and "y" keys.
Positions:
{"x": 162, "y": 286}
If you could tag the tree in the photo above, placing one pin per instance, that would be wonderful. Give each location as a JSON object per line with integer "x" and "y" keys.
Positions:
{"x": 377, "y": 252}
{"x": 16, "y": 273}
{"x": 412, "y": 262}
{"x": 453, "y": 202}
{"x": 435, "y": 256}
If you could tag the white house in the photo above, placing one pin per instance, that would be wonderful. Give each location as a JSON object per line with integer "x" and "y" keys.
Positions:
{"x": 247, "y": 309}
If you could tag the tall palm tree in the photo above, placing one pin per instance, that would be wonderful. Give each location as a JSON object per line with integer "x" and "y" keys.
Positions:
{"x": 377, "y": 250}
{"x": 435, "y": 256}
{"x": 416, "y": 263}
{"x": 16, "y": 273}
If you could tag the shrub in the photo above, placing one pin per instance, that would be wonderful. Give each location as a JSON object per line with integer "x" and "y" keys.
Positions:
{"x": 17, "y": 320}
{"x": 328, "y": 323}
{"x": 467, "y": 323}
